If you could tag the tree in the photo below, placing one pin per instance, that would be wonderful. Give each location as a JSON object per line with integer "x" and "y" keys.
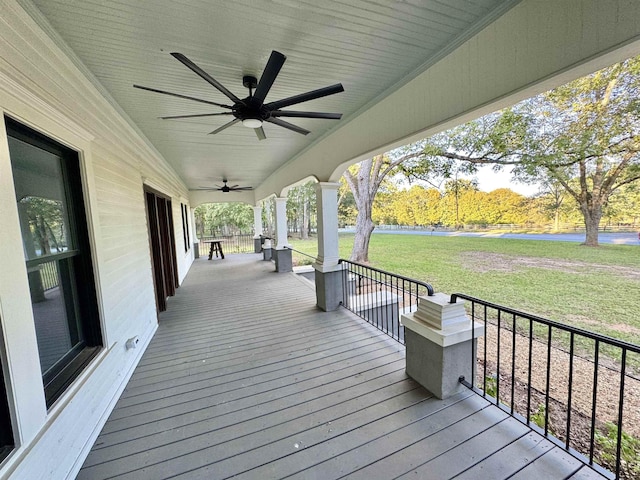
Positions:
{"x": 504, "y": 206}
{"x": 46, "y": 222}
{"x": 584, "y": 135}
{"x": 301, "y": 208}
{"x": 223, "y": 218}
{"x": 364, "y": 180}
{"x": 453, "y": 190}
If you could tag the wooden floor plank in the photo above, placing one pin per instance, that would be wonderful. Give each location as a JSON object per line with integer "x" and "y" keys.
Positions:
{"x": 269, "y": 427}
{"x": 266, "y": 444}
{"x": 244, "y": 383}
{"x": 429, "y": 446}
{"x": 246, "y": 378}
{"x": 471, "y": 451}
{"x": 507, "y": 461}
{"x": 587, "y": 473}
{"x": 556, "y": 463}
{"x": 335, "y": 463}
{"x": 230, "y": 409}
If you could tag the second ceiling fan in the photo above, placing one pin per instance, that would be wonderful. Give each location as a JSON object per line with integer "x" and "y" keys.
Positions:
{"x": 251, "y": 110}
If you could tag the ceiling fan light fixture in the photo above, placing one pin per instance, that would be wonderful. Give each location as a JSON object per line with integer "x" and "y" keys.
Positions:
{"x": 252, "y": 122}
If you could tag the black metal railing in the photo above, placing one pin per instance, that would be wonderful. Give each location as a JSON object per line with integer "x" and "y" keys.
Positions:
{"x": 380, "y": 297}
{"x": 575, "y": 385}
{"x": 231, "y": 243}
{"x": 301, "y": 253}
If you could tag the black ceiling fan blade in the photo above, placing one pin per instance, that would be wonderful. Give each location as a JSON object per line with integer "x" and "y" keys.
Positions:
{"x": 196, "y": 115}
{"x": 226, "y": 125}
{"x": 260, "y": 133}
{"x": 276, "y": 60}
{"x": 164, "y": 92}
{"x": 288, "y": 125}
{"x": 304, "y": 97}
{"x": 285, "y": 113}
{"x": 196, "y": 69}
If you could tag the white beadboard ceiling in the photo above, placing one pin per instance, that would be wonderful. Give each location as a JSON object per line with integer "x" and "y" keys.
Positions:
{"x": 369, "y": 46}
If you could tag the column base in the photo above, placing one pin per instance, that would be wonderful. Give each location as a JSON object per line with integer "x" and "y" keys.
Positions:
{"x": 283, "y": 260}
{"x": 329, "y": 294}
{"x": 257, "y": 245}
{"x": 437, "y": 359}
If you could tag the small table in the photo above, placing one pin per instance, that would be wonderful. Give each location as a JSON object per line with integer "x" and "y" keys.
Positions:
{"x": 216, "y": 246}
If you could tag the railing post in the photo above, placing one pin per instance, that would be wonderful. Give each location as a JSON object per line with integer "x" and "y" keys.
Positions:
{"x": 440, "y": 340}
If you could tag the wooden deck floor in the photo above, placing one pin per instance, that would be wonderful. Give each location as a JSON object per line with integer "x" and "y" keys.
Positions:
{"x": 245, "y": 378}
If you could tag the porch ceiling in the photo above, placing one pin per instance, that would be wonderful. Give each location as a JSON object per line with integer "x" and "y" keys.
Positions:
{"x": 409, "y": 68}
{"x": 367, "y": 45}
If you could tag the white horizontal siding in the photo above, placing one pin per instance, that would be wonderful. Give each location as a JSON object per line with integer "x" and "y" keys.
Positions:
{"x": 42, "y": 87}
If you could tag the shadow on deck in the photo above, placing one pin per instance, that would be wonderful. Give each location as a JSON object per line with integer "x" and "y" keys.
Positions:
{"x": 245, "y": 378}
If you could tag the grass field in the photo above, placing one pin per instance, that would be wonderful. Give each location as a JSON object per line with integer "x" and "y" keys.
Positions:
{"x": 594, "y": 288}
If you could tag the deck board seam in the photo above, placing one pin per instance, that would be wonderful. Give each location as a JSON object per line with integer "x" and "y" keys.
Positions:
{"x": 266, "y": 360}
{"x": 297, "y": 340}
{"x": 181, "y": 414}
{"x": 288, "y": 420}
{"x": 402, "y": 382}
{"x": 251, "y": 385}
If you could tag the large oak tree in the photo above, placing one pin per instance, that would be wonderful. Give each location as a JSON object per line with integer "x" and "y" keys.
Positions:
{"x": 584, "y": 136}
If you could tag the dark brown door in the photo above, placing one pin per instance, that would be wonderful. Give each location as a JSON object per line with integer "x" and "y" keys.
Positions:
{"x": 162, "y": 244}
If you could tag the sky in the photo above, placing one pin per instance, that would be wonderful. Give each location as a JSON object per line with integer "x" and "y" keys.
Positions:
{"x": 489, "y": 180}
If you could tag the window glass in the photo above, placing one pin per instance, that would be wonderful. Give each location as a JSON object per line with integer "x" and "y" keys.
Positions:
{"x": 56, "y": 251}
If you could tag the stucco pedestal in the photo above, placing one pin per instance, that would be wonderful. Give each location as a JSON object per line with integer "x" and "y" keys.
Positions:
{"x": 283, "y": 260}
{"x": 328, "y": 287}
{"x": 440, "y": 344}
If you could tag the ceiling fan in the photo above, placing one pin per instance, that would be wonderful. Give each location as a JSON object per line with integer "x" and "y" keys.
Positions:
{"x": 224, "y": 188}
{"x": 251, "y": 110}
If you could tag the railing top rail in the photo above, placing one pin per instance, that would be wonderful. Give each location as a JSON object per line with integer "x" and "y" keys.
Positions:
{"x": 430, "y": 290}
{"x": 298, "y": 251}
{"x": 545, "y": 321}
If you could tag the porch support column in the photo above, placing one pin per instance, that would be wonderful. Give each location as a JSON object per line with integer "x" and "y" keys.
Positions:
{"x": 282, "y": 254}
{"x": 194, "y": 233}
{"x": 441, "y": 342}
{"x": 328, "y": 271}
{"x": 257, "y": 229}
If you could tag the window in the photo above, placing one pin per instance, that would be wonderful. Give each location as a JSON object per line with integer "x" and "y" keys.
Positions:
{"x": 185, "y": 226}
{"x": 57, "y": 255}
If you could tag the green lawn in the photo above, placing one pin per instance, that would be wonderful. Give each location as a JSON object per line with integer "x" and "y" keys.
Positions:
{"x": 594, "y": 288}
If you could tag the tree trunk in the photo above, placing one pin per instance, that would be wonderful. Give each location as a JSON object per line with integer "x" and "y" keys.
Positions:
{"x": 364, "y": 185}
{"x": 364, "y": 228}
{"x": 592, "y": 215}
{"x": 304, "y": 224}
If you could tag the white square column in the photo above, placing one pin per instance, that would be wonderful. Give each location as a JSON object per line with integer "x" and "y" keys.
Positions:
{"x": 282, "y": 254}
{"x": 257, "y": 228}
{"x": 327, "y": 207}
{"x": 281, "y": 223}
{"x": 194, "y": 233}
{"x": 329, "y": 292}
